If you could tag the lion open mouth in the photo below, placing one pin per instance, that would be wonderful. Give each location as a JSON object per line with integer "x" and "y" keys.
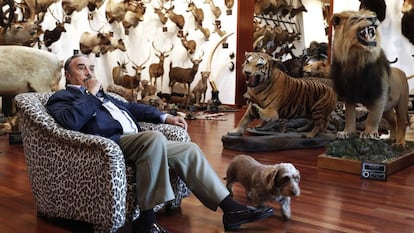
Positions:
{"x": 367, "y": 35}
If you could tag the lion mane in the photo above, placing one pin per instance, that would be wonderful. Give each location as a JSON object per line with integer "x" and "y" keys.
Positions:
{"x": 362, "y": 75}
{"x": 273, "y": 95}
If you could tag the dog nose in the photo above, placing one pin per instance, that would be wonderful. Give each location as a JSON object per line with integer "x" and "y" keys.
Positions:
{"x": 295, "y": 192}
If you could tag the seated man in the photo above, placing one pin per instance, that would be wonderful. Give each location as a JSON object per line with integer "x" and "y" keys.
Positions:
{"x": 84, "y": 107}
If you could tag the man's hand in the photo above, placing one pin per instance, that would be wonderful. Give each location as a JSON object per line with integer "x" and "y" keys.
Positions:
{"x": 176, "y": 120}
{"x": 93, "y": 85}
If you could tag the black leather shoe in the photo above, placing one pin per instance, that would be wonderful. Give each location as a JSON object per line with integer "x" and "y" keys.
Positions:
{"x": 233, "y": 220}
{"x": 155, "y": 228}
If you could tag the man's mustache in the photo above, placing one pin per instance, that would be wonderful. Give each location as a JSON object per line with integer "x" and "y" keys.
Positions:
{"x": 87, "y": 78}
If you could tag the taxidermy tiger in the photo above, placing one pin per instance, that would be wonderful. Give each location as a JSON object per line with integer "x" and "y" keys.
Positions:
{"x": 274, "y": 95}
{"x": 362, "y": 74}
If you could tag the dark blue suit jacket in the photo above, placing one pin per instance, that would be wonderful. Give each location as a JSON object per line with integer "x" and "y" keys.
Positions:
{"x": 83, "y": 112}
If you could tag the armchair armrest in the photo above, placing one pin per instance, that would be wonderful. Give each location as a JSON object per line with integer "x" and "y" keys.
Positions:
{"x": 172, "y": 132}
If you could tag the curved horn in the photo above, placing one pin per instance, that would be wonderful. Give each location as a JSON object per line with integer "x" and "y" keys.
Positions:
{"x": 222, "y": 39}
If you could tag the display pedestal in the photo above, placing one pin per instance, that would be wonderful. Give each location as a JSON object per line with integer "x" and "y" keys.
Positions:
{"x": 354, "y": 166}
{"x": 275, "y": 142}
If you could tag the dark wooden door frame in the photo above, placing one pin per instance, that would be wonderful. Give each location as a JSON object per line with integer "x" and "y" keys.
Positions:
{"x": 245, "y": 12}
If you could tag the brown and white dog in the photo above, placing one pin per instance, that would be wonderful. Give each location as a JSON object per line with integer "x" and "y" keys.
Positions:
{"x": 262, "y": 183}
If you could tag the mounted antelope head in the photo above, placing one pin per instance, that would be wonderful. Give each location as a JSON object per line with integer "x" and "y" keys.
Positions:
{"x": 92, "y": 42}
{"x": 217, "y": 29}
{"x": 198, "y": 13}
{"x": 156, "y": 70}
{"x": 95, "y": 4}
{"x": 161, "y": 12}
{"x": 189, "y": 45}
{"x": 115, "y": 11}
{"x": 70, "y": 6}
{"x": 229, "y": 4}
{"x": 115, "y": 44}
{"x": 51, "y": 36}
{"x": 205, "y": 31}
{"x": 134, "y": 15}
{"x": 175, "y": 18}
{"x": 214, "y": 9}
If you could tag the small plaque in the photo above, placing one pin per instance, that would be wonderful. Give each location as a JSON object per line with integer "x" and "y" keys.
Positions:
{"x": 68, "y": 19}
{"x": 373, "y": 171}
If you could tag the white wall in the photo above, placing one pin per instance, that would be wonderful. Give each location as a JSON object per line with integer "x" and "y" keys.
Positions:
{"x": 313, "y": 26}
{"x": 139, "y": 40}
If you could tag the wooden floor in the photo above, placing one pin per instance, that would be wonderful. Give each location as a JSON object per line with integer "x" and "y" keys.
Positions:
{"x": 330, "y": 201}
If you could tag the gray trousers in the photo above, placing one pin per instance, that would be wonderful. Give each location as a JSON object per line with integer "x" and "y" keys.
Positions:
{"x": 153, "y": 155}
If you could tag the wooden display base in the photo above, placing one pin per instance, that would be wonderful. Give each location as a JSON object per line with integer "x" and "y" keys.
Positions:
{"x": 354, "y": 166}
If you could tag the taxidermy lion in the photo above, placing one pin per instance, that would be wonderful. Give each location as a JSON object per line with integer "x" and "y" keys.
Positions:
{"x": 362, "y": 74}
{"x": 274, "y": 95}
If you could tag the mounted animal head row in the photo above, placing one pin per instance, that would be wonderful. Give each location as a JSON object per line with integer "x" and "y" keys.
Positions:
{"x": 70, "y": 6}
{"x": 128, "y": 12}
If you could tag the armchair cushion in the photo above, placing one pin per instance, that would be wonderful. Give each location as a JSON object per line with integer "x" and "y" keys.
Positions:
{"x": 82, "y": 177}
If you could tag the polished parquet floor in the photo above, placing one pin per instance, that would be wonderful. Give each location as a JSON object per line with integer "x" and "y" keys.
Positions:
{"x": 330, "y": 201}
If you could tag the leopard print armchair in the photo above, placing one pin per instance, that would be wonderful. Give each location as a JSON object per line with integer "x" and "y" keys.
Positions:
{"x": 79, "y": 176}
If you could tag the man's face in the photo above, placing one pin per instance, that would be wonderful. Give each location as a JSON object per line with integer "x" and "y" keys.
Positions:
{"x": 80, "y": 70}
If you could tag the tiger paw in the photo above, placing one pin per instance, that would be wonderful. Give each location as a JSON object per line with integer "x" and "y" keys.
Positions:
{"x": 343, "y": 135}
{"x": 365, "y": 135}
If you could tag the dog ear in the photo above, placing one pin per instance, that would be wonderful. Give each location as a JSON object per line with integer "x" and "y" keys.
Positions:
{"x": 271, "y": 179}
